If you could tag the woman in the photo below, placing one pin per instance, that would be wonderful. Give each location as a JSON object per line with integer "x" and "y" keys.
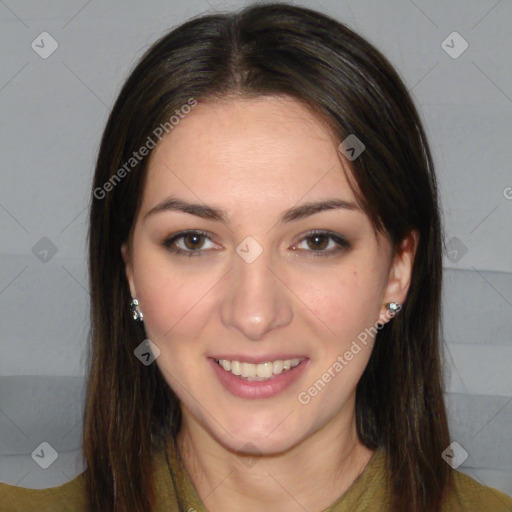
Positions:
{"x": 265, "y": 273}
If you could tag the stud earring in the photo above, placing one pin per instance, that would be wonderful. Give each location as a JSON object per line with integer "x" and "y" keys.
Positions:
{"x": 394, "y": 307}
{"x": 136, "y": 312}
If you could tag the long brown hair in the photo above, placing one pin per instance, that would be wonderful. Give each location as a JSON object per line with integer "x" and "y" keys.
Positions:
{"x": 268, "y": 49}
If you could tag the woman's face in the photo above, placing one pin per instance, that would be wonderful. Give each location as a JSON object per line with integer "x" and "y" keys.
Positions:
{"x": 252, "y": 284}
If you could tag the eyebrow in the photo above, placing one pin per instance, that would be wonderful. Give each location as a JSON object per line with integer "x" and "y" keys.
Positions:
{"x": 211, "y": 213}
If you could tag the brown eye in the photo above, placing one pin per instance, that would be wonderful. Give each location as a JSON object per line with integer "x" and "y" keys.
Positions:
{"x": 193, "y": 241}
{"x": 189, "y": 243}
{"x": 318, "y": 242}
{"x": 322, "y": 243}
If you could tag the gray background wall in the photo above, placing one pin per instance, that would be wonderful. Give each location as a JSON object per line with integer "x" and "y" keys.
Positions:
{"x": 53, "y": 111}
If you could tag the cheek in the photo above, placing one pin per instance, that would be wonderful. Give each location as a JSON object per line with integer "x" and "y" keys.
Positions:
{"x": 173, "y": 301}
{"x": 344, "y": 300}
{"x": 162, "y": 296}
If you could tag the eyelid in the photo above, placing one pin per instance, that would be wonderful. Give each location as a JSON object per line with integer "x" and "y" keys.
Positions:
{"x": 168, "y": 243}
{"x": 339, "y": 240}
{"x": 342, "y": 243}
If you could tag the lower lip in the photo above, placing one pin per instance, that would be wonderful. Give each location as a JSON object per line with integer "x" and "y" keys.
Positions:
{"x": 258, "y": 389}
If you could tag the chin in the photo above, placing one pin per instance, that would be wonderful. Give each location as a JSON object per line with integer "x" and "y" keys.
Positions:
{"x": 253, "y": 440}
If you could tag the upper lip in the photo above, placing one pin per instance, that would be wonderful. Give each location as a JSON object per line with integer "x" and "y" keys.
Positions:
{"x": 258, "y": 359}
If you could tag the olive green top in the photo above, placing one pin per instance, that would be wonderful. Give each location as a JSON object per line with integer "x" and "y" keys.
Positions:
{"x": 369, "y": 492}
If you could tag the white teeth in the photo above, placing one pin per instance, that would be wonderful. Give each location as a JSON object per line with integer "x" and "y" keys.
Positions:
{"x": 236, "y": 368}
{"x": 264, "y": 370}
{"x": 261, "y": 371}
{"x": 248, "y": 370}
{"x": 277, "y": 367}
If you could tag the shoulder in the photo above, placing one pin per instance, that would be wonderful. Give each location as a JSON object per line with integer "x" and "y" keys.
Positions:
{"x": 71, "y": 496}
{"x": 66, "y": 497}
{"x": 467, "y": 495}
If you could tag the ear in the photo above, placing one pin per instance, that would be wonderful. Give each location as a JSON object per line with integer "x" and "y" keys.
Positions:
{"x": 400, "y": 274}
{"x": 125, "y": 252}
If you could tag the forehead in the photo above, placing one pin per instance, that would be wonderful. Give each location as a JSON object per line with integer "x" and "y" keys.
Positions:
{"x": 255, "y": 150}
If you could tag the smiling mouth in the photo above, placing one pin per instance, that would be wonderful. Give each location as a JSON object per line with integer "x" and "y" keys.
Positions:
{"x": 261, "y": 371}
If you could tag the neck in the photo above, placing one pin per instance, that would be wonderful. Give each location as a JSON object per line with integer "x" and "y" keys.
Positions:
{"x": 313, "y": 474}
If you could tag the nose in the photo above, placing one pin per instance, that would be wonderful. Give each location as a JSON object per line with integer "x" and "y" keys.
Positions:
{"x": 257, "y": 301}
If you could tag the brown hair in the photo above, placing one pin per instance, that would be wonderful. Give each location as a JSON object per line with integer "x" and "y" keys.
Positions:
{"x": 269, "y": 49}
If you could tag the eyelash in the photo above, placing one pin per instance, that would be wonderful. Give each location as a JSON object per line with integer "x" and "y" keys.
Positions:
{"x": 342, "y": 243}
